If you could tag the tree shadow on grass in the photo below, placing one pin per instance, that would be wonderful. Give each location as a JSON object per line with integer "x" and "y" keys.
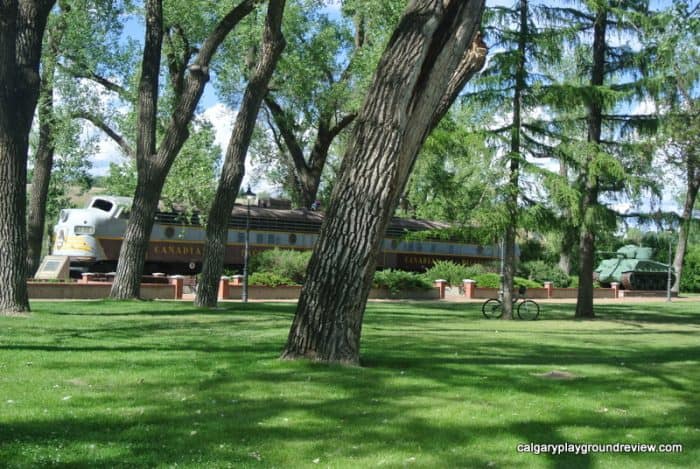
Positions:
{"x": 243, "y": 407}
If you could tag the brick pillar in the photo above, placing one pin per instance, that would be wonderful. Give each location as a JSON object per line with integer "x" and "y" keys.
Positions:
{"x": 179, "y": 282}
{"x": 223, "y": 288}
{"x": 469, "y": 288}
{"x": 441, "y": 285}
{"x": 549, "y": 288}
{"x": 237, "y": 280}
{"x": 615, "y": 287}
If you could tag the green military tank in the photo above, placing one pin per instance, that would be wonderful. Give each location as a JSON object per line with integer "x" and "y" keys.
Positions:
{"x": 632, "y": 267}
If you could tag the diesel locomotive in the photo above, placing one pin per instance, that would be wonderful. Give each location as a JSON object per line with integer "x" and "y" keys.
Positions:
{"x": 91, "y": 237}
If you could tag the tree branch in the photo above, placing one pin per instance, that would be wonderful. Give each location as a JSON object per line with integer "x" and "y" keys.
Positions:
{"x": 473, "y": 60}
{"x": 282, "y": 122}
{"x": 104, "y": 127}
{"x": 79, "y": 71}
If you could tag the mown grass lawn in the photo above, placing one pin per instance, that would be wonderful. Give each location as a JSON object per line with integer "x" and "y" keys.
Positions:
{"x": 161, "y": 384}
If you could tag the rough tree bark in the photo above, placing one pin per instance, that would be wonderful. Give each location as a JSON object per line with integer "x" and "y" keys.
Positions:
{"x": 153, "y": 164}
{"x": 22, "y": 26}
{"x": 430, "y": 56}
{"x": 589, "y": 180}
{"x": 234, "y": 164}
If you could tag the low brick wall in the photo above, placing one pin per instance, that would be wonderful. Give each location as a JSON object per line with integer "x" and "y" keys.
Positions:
{"x": 471, "y": 290}
{"x": 93, "y": 291}
{"x": 232, "y": 291}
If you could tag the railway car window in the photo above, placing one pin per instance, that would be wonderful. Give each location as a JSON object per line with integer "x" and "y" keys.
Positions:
{"x": 394, "y": 244}
{"x": 292, "y": 238}
{"x": 259, "y": 238}
{"x": 433, "y": 247}
{"x": 169, "y": 232}
{"x": 241, "y": 237}
{"x": 102, "y": 204}
{"x": 271, "y": 239}
{"x": 419, "y": 247}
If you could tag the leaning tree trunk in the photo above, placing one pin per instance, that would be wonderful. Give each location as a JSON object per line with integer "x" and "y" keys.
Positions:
{"x": 584, "y": 300}
{"x": 427, "y": 60}
{"x": 43, "y": 163}
{"x": 684, "y": 229}
{"x": 234, "y": 164}
{"x": 137, "y": 235}
{"x": 21, "y": 30}
{"x": 153, "y": 167}
{"x": 150, "y": 177}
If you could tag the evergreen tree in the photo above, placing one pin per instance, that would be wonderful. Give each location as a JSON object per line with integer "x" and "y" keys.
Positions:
{"x": 603, "y": 148}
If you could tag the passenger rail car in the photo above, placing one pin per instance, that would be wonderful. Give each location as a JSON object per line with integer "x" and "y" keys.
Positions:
{"x": 92, "y": 238}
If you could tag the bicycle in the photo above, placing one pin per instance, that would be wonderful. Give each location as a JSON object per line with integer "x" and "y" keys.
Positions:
{"x": 527, "y": 309}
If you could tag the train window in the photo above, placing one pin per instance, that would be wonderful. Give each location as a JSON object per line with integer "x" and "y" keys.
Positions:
{"x": 433, "y": 247}
{"x": 101, "y": 204}
{"x": 169, "y": 232}
{"x": 241, "y": 237}
{"x": 271, "y": 239}
{"x": 419, "y": 247}
{"x": 394, "y": 244}
{"x": 292, "y": 238}
{"x": 260, "y": 238}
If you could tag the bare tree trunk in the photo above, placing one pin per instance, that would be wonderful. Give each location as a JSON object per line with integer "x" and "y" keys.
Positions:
{"x": 432, "y": 47}
{"x": 153, "y": 166}
{"x": 234, "y": 165}
{"x": 513, "y": 189}
{"x": 684, "y": 229}
{"x": 127, "y": 282}
{"x": 22, "y": 27}
{"x": 43, "y": 163}
{"x": 584, "y": 301}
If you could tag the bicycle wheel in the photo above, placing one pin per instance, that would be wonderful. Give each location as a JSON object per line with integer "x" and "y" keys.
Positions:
{"x": 528, "y": 310}
{"x": 492, "y": 308}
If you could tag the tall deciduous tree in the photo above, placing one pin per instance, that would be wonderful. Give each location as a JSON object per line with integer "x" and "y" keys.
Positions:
{"x": 432, "y": 53}
{"x": 22, "y": 25}
{"x": 234, "y": 164}
{"x": 80, "y": 28}
{"x": 188, "y": 77}
{"x": 676, "y": 42}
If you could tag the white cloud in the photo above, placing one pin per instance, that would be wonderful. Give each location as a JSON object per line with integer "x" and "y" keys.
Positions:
{"x": 222, "y": 118}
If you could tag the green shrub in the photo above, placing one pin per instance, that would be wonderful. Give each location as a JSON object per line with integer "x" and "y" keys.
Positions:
{"x": 452, "y": 272}
{"x": 690, "y": 276}
{"x": 269, "y": 279}
{"x": 494, "y": 281}
{"x": 574, "y": 281}
{"x": 488, "y": 280}
{"x": 283, "y": 262}
{"x": 541, "y": 272}
{"x": 398, "y": 280}
{"x": 525, "y": 282}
